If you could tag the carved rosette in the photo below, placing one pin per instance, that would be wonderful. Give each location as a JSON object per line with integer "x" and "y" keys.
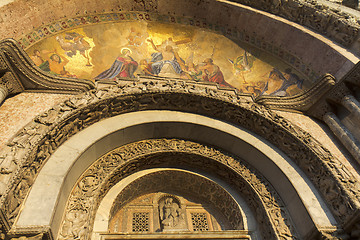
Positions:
{"x": 32, "y": 146}
{"x": 265, "y": 203}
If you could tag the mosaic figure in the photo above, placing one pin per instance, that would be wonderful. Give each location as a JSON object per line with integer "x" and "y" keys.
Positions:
{"x": 74, "y": 42}
{"x": 288, "y": 79}
{"x": 166, "y": 61}
{"x": 213, "y": 73}
{"x": 54, "y": 63}
{"x": 123, "y": 66}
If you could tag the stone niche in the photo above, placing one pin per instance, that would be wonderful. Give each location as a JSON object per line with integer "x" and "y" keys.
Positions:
{"x": 175, "y": 205}
{"x": 164, "y": 212}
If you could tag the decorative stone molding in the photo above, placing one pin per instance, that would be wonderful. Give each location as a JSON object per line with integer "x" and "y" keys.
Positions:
{"x": 338, "y": 25}
{"x": 265, "y": 203}
{"x": 30, "y": 148}
{"x": 301, "y": 102}
{"x": 334, "y": 94}
{"x": 31, "y": 233}
{"x": 18, "y": 74}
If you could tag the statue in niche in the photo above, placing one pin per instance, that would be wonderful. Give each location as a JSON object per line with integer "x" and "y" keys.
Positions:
{"x": 171, "y": 215}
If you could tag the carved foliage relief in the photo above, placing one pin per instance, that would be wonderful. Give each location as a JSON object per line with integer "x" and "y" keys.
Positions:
{"x": 30, "y": 148}
{"x": 334, "y": 23}
{"x": 109, "y": 169}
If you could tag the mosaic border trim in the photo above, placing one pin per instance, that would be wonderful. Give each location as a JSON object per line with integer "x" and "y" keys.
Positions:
{"x": 235, "y": 35}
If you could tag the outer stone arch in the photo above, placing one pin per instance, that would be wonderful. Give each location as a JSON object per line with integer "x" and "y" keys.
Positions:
{"x": 64, "y": 120}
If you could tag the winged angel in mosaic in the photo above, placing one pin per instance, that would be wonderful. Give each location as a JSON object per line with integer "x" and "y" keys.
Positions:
{"x": 74, "y": 42}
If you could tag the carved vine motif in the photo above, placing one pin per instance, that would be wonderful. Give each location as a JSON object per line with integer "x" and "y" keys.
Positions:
{"x": 337, "y": 25}
{"x": 332, "y": 22}
{"x": 112, "y": 167}
{"x": 338, "y": 186}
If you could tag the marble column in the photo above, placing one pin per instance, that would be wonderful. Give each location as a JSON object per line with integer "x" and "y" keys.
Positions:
{"x": 3, "y": 93}
{"x": 343, "y": 134}
{"x": 351, "y": 104}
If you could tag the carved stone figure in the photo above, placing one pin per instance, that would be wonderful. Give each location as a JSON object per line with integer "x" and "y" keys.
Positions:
{"x": 75, "y": 226}
{"x": 171, "y": 215}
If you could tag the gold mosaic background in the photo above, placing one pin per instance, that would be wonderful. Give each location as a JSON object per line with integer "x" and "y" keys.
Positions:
{"x": 127, "y": 49}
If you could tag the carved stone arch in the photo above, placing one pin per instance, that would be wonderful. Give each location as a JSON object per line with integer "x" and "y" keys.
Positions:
{"x": 268, "y": 208}
{"x": 32, "y": 146}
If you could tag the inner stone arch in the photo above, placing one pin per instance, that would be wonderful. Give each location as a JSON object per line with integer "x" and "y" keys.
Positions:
{"x": 264, "y": 202}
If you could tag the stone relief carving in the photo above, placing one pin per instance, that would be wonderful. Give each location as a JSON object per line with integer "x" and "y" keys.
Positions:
{"x": 203, "y": 190}
{"x": 334, "y": 23}
{"x": 171, "y": 215}
{"x": 83, "y": 110}
{"x": 112, "y": 167}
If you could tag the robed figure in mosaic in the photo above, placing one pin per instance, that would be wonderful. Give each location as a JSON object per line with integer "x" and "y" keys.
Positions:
{"x": 123, "y": 66}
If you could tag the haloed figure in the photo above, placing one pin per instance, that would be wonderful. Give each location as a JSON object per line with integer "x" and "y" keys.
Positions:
{"x": 123, "y": 66}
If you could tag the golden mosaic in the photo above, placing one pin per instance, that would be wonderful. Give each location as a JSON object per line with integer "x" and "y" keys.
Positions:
{"x": 126, "y": 49}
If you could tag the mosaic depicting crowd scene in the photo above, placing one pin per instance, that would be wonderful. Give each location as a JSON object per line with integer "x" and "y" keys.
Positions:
{"x": 165, "y": 61}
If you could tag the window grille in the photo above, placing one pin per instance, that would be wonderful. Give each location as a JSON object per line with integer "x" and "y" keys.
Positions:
{"x": 140, "y": 222}
{"x": 199, "y": 222}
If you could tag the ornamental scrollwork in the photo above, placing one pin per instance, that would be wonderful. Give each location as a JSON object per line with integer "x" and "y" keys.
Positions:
{"x": 104, "y": 173}
{"x": 332, "y": 22}
{"x": 24, "y": 155}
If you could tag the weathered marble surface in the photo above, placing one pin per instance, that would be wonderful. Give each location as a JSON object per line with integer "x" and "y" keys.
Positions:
{"x": 18, "y": 110}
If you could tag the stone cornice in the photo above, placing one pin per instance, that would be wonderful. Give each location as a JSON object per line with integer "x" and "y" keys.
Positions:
{"x": 303, "y": 101}
{"x": 336, "y": 23}
{"x": 18, "y": 74}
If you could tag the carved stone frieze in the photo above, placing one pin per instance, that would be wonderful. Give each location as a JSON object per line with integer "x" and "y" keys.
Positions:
{"x": 37, "y": 237}
{"x": 35, "y": 143}
{"x": 108, "y": 170}
{"x": 30, "y": 233}
{"x": 332, "y": 22}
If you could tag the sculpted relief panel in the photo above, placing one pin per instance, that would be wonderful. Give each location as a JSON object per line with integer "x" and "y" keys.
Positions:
{"x": 31, "y": 149}
{"x": 263, "y": 200}
{"x": 194, "y": 190}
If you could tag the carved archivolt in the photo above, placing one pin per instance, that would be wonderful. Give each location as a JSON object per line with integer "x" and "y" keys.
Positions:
{"x": 265, "y": 203}
{"x": 338, "y": 25}
{"x": 332, "y": 22}
{"x": 30, "y": 148}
